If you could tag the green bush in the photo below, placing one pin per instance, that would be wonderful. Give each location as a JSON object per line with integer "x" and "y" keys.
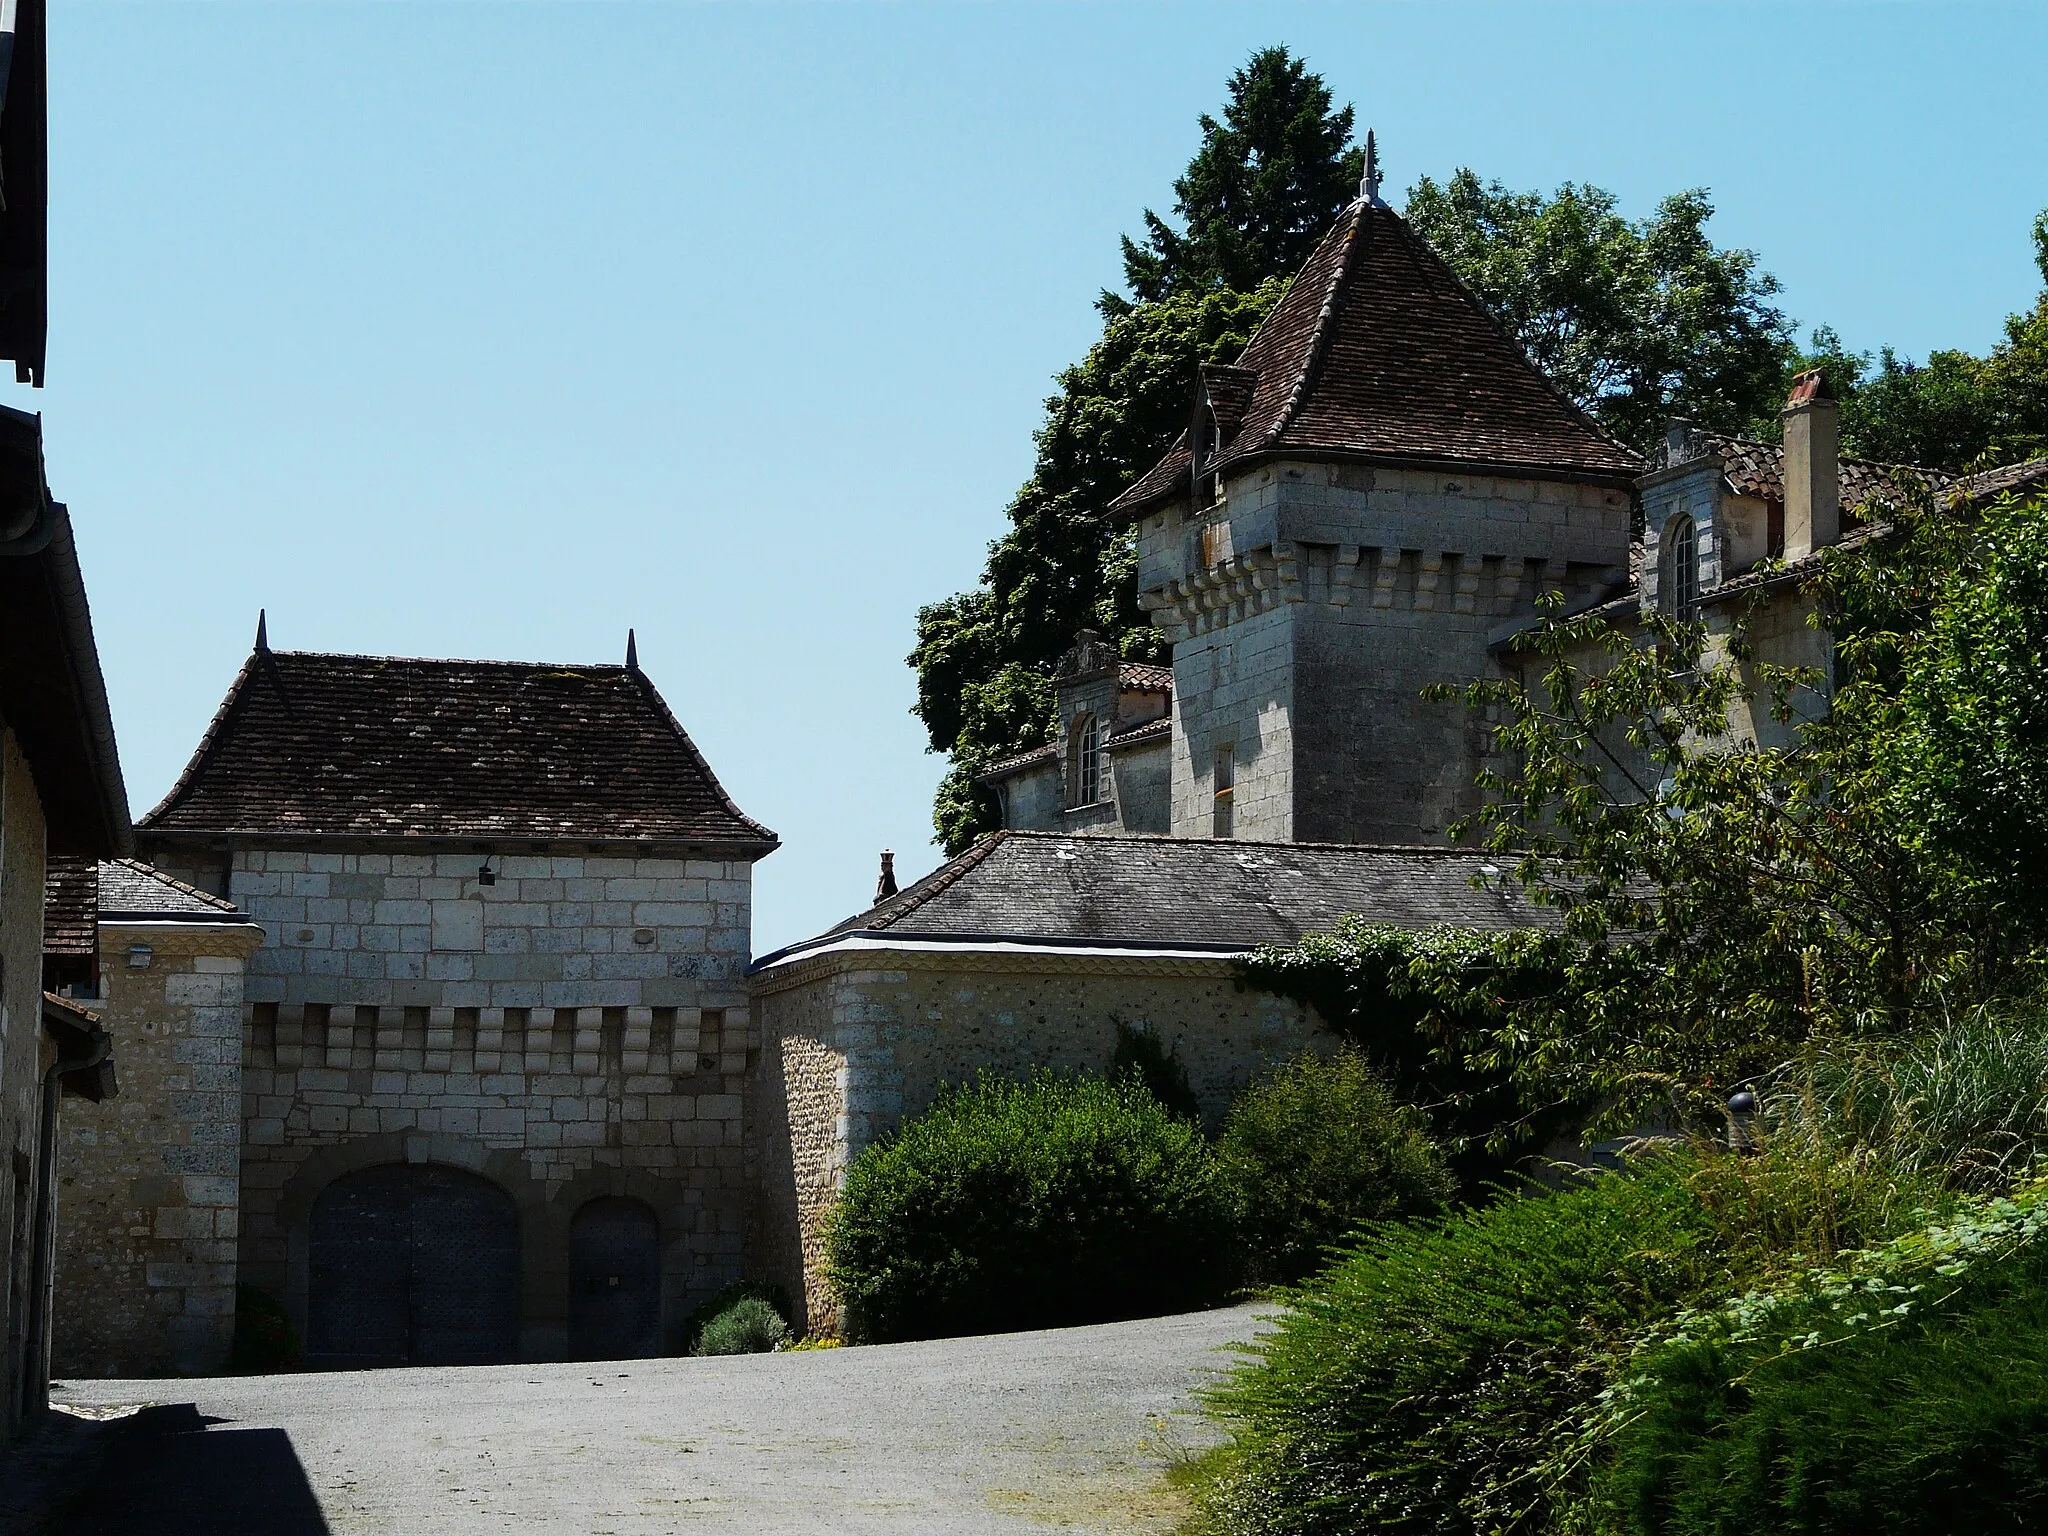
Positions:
{"x": 1437, "y": 1376}
{"x": 750, "y": 1326}
{"x": 1315, "y": 1152}
{"x": 1057, "y": 1201}
{"x": 700, "y": 1319}
{"x": 1904, "y": 1392}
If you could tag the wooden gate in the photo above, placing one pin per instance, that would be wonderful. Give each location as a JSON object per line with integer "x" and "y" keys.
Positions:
{"x": 412, "y": 1264}
{"x": 614, "y": 1281}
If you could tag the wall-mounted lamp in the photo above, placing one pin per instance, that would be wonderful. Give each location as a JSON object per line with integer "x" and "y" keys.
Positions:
{"x": 485, "y": 875}
{"x": 139, "y": 956}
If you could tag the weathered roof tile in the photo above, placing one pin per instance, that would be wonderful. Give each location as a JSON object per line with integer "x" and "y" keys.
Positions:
{"x": 1193, "y": 892}
{"x": 1377, "y": 352}
{"x": 309, "y": 745}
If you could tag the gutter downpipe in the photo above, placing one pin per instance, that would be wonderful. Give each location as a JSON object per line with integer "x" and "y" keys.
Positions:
{"x": 35, "y": 1375}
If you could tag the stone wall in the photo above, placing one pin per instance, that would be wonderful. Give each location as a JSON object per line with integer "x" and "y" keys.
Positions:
{"x": 577, "y": 1028}
{"x": 856, "y": 1040}
{"x": 22, "y": 1056}
{"x": 1310, "y": 606}
{"x": 148, "y": 1185}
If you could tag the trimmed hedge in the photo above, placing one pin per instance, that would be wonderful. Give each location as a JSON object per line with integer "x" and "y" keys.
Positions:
{"x": 1042, "y": 1204}
{"x": 1317, "y": 1151}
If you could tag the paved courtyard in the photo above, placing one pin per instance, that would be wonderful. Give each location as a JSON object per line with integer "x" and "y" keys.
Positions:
{"x": 1066, "y": 1430}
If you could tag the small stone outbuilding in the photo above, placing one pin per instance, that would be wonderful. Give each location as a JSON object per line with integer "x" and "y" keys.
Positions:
{"x": 495, "y": 1034}
{"x": 148, "y": 1180}
{"x": 1028, "y": 951}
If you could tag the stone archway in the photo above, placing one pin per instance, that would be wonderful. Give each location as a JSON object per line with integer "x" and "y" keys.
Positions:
{"x": 412, "y": 1264}
{"x": 614, "y": 1280}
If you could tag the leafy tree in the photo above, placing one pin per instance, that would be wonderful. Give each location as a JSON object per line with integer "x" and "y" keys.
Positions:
{"x": 984, "y": 659}
{"x": 1955, "y": 411}
{"x": 1636, "y": 320}
{"x": 1721, "y": 901}
{"x": 1259, "y": 193}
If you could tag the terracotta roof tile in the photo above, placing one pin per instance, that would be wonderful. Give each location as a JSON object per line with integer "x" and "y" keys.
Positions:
{"x": 70, "y": 906}
{"x": 1758, "y": 469}
{"x": 308, "y": 745}
{"x": 1377, "y": 352}
{"x": 1991, "y": 483}
{"x": 1152, "y": 730}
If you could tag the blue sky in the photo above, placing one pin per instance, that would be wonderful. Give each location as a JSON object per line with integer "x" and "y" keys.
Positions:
{"x": 489, "y": 329}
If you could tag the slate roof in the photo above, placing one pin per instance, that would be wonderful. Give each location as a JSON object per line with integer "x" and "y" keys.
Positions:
{"x": 1378, "y": 353}
{"x": 1184, "y": 892}
{"x": 310, "y": 745}
{"x": 70, "y": 906}
{"x": 132, "y": 891}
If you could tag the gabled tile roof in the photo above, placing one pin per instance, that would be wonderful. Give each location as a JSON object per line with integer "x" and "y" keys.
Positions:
{"x": 1378, "y": 353}
{"x": 1186, "y": 892}
{"x": 308, "y": 745}
{"x": 132, "y": 891}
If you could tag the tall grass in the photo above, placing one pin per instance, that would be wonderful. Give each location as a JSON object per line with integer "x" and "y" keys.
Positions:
{"x": 1966, "y": 1104}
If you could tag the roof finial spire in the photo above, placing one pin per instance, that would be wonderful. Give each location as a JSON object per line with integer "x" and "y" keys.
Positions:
{"x": 632, "y": 653}
{"x": 262, "y": 632}
{"x": 1369, "y": 183}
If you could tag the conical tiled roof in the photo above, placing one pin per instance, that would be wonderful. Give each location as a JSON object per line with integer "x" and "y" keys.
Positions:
{"x": 1378, "y": 354}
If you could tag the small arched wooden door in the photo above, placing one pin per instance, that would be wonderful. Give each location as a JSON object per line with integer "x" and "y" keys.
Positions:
{"x": 412, "y": 1264}
{"x": 614, "y": 1281}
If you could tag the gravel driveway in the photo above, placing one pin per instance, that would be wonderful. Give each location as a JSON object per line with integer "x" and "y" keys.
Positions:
{"x": 1065, "y": 1430}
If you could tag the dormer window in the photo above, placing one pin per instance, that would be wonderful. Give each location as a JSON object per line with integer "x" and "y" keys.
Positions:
{"x": 1087, "y": 764}
{"x": 1679, "y": 577}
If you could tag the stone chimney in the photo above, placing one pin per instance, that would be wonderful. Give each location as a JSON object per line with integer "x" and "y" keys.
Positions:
{"x": 1813, "y": 468}
{"x": 885, "y": 886}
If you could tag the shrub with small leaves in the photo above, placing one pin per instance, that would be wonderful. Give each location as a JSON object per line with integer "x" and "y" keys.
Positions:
{"x": 1315, "y": 1152}
{"x": 1042, "y": 1204}
{"x": 748, "y": 1327}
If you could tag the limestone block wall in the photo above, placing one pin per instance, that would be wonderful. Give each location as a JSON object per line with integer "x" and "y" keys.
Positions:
{"x": 1311, "y": 605}
{"x": 148, "y": 1181}
{"x": 577, "y": 1028}
{"x": 21, "y": 1052}
{"x": 1144, "y": 787}
{"x": 1032, "y": 800}
{"x": 854, "y": 1041}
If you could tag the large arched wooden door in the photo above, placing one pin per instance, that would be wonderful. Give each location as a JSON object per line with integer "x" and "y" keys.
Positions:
{"x": 412, "y": 1264}
{"x": 614, "y": 1281}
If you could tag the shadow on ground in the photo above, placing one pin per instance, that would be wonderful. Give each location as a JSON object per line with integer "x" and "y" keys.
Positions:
{"x": 170, "y": 1475}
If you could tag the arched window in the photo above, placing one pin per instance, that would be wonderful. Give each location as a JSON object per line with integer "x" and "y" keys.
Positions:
{"x": 1681, "y": 572}
{"x": 1085, "y": 764}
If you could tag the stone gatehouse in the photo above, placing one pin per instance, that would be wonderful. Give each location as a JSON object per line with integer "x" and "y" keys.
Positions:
{"x": 495, "y": 1035}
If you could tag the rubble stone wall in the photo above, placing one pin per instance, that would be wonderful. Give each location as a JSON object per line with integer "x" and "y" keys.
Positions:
{"x": 858, "y": 1040}
{"x": 148, "y": 1186}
